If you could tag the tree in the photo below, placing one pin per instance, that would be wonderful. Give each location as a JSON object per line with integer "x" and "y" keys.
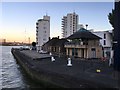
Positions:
{"x": 111, "y": 18}
{"x": 34, "y": 44}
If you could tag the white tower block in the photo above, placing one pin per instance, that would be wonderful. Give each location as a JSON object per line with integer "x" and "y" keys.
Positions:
{"x": 69, "y": 62}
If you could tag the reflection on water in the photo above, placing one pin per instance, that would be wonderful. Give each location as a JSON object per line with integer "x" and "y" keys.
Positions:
{"x": 12, "y": 74}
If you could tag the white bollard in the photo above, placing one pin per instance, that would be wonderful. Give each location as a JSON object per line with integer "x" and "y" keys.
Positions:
{"x": 52, "y": 59}
{"x": 50, "y": 54}
{"x": 69, "y": 62}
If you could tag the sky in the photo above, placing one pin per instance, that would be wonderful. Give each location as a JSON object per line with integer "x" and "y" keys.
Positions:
{"x": 19, "y": 18}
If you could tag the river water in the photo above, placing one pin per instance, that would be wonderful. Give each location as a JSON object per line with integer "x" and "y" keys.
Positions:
{"x": 11, "y": 74}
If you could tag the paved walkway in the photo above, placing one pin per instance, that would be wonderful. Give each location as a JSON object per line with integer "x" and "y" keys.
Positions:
{"x": 35, "y": 55}
{"x": 80, "y": 69}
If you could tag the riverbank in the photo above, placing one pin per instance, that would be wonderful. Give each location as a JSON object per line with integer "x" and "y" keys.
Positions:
{"x": 57, "y": 74}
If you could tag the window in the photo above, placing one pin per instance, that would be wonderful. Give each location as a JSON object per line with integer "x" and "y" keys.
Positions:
{"x": 92, "y": 49}
{"x": 44, "y": 39}
{"x": 94, "y": 42}
{"x": 104, "y": 42}
{"x": 44, "y": 31}
{"x": 44, "y": 27}
{"x": 76, "y": 52}
{"x": 104, "y": 36}
{"x": 73, "y": 52}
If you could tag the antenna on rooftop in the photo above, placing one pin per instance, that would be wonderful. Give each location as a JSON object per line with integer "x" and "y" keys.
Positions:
{"x": 24, "y": 43}
{"x": 46, "y": 13}
{"x": 73, "y": 11}
{"x": 25, "y": 35}
{"x": 29, "y": 40}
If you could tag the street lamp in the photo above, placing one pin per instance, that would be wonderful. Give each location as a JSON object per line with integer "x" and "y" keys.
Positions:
{"x": 86, "y": 26}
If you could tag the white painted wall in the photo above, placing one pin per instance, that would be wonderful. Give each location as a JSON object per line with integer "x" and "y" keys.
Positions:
{"x": 108, "y": 38}
{"x": 79, "y": 26}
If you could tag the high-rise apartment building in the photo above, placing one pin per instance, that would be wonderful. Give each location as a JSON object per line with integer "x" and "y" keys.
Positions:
{"x": 69, "y": 24}
{"x": 42, "y": 31}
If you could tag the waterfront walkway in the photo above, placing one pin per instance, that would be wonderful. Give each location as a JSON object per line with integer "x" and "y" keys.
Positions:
{"x": 83, "y": 70}
{"x": 34, "y": 55}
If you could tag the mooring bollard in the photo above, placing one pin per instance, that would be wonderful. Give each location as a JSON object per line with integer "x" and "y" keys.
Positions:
{"x": 52, "y": 59}
{"x": 50, "y": 54}
{"x": 69, "y": 62}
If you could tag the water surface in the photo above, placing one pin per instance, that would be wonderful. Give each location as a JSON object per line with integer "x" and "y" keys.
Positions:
{"x": 12, "y": 75}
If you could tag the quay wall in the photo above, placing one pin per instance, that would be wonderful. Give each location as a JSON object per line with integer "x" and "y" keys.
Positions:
{"x": 51, "y": 79}
{"x": 46, "y": 78}
{"x": 37, "y": 76}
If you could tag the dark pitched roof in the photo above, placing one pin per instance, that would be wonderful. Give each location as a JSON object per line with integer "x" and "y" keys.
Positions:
{"x": 52, "y": 42}
{"x": 83, "y": 34}
{"x": 61, "y": 42}
{"x": 55, "y": 42}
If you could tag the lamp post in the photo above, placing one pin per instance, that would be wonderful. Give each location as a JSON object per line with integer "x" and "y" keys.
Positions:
{"x": 86, "y": 41}
{"x": 86, "y": 26}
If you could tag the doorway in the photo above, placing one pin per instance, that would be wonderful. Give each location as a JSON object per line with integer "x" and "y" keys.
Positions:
{"x": 82, "y": 53}
{"x": 93, "y": 52}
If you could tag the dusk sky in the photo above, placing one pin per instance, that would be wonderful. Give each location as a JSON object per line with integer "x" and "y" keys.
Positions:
{"x": 18, "y": 17}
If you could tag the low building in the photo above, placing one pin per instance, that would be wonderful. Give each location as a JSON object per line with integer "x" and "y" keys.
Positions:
{"x": 55, "y": 45}
{"x": 83, "y": 44}
{"x": 49, "y": 46}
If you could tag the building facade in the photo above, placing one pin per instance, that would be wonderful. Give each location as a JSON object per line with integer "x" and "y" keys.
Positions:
{"x": 55, "y": 46}
{"x": 106, "y": 42}
{"x": 42, "y": 31}
{"x": 79, "y": 26}
{"x": 69, "y": 24}
{"x": 83, "y": 44}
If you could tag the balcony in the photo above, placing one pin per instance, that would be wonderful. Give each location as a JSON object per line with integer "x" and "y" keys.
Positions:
{"x": 75, "y": 45}
{"x": 63, "y": 23}
{"x": 37, "y": 23}
{"x": 36, "y": 27}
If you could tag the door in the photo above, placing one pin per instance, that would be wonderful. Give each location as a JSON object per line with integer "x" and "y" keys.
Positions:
{"x": 93, "y": 52}
{"x": 82, "y": 53}
{"x": 73, "y": 53}
{"x": 76, "y": 52}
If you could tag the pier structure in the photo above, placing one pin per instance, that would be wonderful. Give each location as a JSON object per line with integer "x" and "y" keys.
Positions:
{"x": 82, "y": 74}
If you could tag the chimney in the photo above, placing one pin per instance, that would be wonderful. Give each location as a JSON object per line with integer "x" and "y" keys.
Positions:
{"x": 58, "y": 37}
{"x": 49, "y": 38}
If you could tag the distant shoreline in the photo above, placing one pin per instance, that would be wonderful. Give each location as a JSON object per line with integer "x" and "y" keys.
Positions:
{"x": 11, "y": 45}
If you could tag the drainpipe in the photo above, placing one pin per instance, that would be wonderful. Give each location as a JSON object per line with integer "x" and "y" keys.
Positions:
{"x": 86, "y": 47}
